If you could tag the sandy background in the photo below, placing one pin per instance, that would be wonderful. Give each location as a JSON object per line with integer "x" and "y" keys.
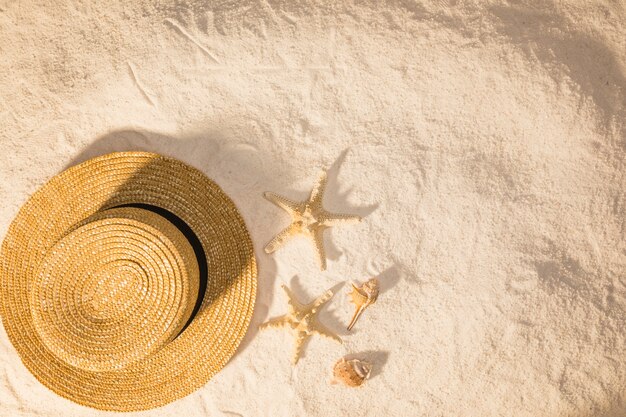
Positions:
{"x": 484, "y": 142}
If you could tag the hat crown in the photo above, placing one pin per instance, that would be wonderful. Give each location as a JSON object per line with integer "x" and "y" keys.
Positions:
{"x": 110, "y": 288}
{"x": 117, "y": 287}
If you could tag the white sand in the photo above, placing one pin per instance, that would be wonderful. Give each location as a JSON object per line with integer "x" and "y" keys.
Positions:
{"x": 485, "y": 144}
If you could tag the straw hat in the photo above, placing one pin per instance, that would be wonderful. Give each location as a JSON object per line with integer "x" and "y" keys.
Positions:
{"x": 127, "y": 281}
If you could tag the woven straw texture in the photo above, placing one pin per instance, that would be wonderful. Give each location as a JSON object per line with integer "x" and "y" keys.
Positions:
{"x": 94, "y": 296}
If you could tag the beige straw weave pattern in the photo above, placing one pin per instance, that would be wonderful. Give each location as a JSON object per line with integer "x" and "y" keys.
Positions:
{"x": 115, "y": 289}
{"x": 94, "y": 296}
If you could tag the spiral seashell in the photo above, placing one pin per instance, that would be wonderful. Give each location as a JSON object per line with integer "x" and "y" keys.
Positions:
{"x": 362, "y": 297}
{"x": 351, "y": 373}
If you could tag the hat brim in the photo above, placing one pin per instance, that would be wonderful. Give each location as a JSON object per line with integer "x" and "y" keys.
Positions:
{"x": 211, "y": 338}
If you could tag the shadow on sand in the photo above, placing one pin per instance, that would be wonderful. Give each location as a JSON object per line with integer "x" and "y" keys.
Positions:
{"x": 543, "y": 33}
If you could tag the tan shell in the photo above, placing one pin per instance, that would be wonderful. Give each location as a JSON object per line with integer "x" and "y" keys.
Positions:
{"x": 362, "y": 297}
{"x": 352, "y": 373}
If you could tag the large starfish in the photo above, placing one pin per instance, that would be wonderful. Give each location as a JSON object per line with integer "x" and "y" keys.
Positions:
{"x": 302, "y": 320}
{"x": 309, "y": 218}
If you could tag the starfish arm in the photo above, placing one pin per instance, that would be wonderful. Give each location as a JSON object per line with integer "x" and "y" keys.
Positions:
{"x": 299, "y": 345}
{"x": 334, "y": 219}
{"x": 325, "y": 332}
{"x": 277, "y": 322}
{"x": 286, "y": 204}
{"x": 318, "y": 241}
{"x": 321, "y": 300}
{"x": 292, "y": 301}
{"x": 317, "y": 193}
{"x": 280, "y": 239}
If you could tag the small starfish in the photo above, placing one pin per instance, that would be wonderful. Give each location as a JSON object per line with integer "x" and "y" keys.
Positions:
{"x": 301, "y": 318}
{"x": 309, "y": 218}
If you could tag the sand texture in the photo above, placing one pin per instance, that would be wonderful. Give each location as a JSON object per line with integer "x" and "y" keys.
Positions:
{"x": 483, "y": 142}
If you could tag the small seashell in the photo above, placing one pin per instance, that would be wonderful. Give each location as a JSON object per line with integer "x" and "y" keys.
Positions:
{"x": 362, "y": 297}
{"x": 352, "y": 373}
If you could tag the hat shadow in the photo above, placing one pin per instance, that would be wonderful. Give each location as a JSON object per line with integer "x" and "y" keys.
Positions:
{"x": 239, "y": 168}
